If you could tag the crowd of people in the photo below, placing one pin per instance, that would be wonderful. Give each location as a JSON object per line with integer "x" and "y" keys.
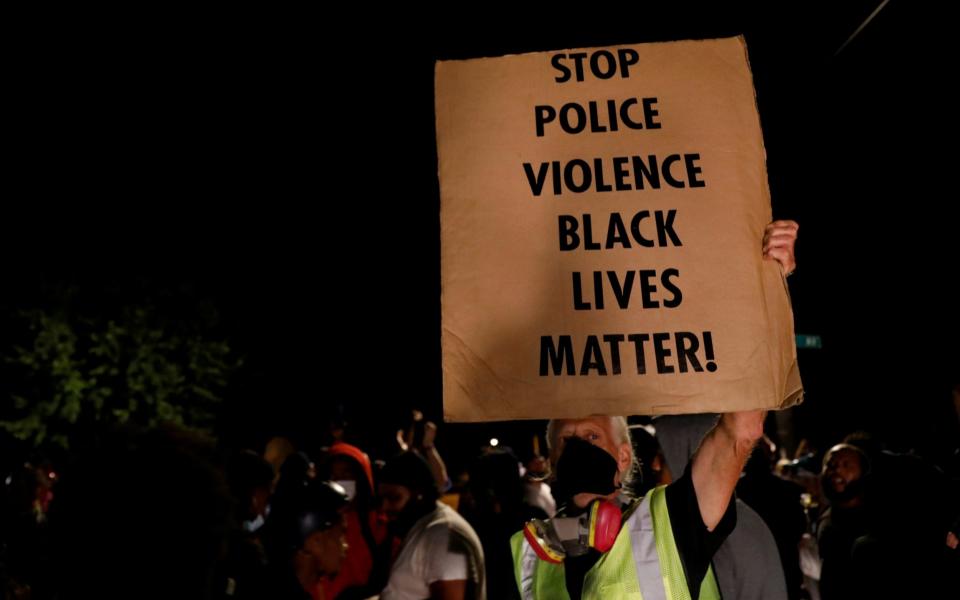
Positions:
{"x": 691, "y": 506}
{"x": 165, "y": 514}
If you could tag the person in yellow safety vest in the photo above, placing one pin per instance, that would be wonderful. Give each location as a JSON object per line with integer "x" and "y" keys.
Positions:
{"x": 606, "y": 545}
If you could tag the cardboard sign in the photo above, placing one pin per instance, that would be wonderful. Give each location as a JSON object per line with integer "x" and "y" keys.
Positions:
{"x": 601, "y": 218}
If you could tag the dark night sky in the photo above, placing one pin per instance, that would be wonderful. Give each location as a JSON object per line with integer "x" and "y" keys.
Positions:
{"x": 288, "y": 173}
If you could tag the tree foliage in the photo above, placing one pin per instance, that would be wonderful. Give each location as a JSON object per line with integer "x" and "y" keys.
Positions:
{"x": 72, "y": 374}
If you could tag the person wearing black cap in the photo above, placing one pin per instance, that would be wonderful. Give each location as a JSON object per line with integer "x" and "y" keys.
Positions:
{"x": 305, "y": 540}
{"x": 440, "y": 557}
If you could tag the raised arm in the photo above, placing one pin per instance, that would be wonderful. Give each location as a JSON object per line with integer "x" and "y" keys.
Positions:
{"x": 719, "y": 460}
{"x": 726, "y": 448}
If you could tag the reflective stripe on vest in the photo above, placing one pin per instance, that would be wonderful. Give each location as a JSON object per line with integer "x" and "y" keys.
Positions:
{"x": 673, "y": 577}
{"x": 640, "y": 566}
{"x": 644, "y": 545}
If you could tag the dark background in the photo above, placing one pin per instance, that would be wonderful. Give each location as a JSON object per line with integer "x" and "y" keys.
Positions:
{"x": 282, "y": 167}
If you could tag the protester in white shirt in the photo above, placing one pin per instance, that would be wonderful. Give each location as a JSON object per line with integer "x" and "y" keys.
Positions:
{"x": 440, "y": 557}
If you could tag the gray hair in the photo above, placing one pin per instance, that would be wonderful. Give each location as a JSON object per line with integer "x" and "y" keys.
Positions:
{"x": 621, "y": 433}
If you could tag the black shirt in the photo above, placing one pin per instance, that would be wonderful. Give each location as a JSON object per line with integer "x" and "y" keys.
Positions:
{"x": 695, "y": 544}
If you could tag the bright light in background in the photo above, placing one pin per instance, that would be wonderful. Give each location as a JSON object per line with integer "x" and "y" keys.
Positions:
{"x": 494, "y": 442}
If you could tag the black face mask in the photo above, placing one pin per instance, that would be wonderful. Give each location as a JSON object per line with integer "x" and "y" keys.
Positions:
{"x": 583, "y": 469}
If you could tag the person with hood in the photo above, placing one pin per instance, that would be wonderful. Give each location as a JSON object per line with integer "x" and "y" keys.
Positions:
{"x": 349, "y": 467}
{"x": 747, "y": 564}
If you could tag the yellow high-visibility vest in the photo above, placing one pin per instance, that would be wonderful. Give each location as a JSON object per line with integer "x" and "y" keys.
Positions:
{"x": 643, "y": 563}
